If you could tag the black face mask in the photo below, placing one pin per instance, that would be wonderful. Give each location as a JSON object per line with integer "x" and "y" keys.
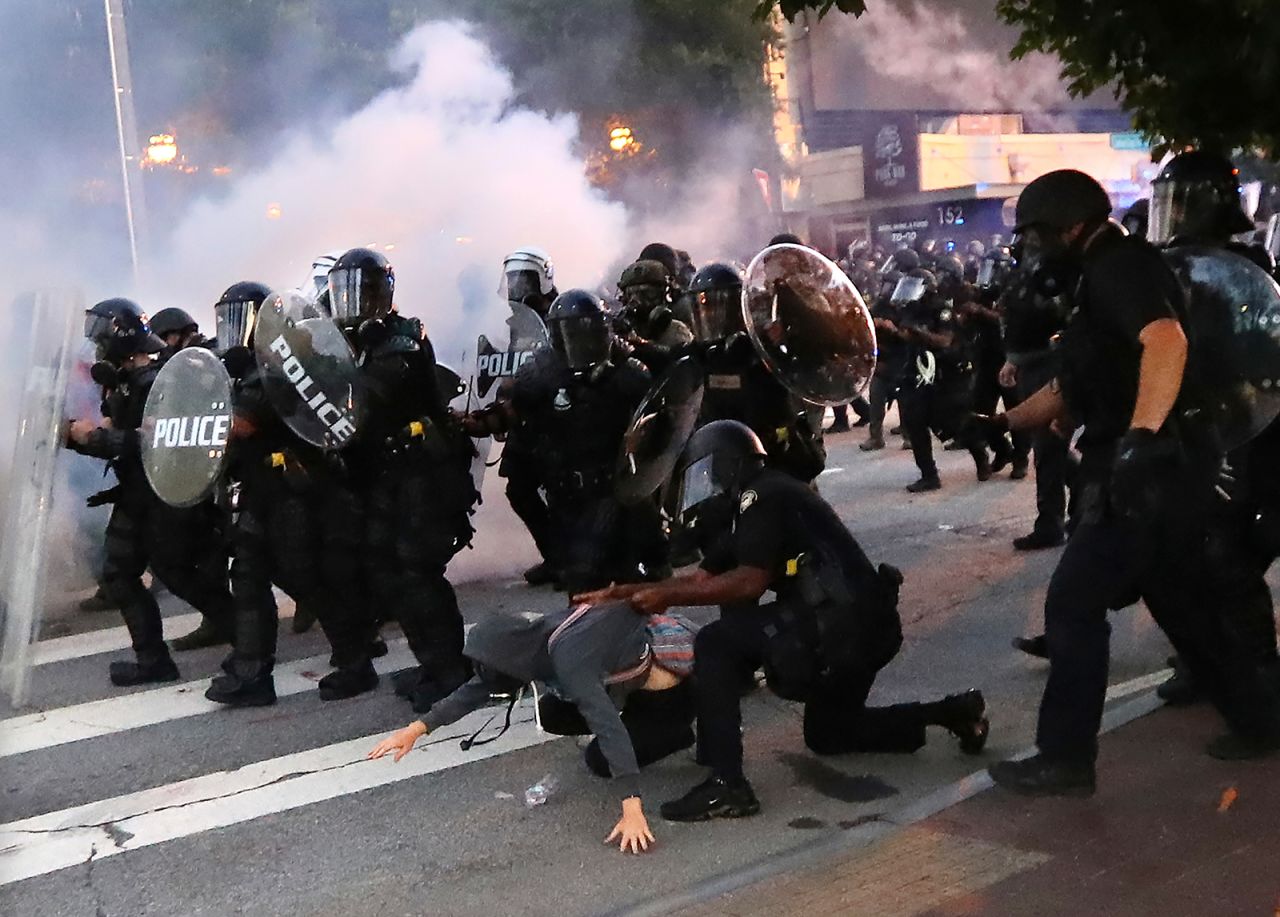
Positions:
{"x": 104, "y": 374}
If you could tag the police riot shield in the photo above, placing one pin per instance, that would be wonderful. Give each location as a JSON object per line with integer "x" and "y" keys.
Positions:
{"x": 809, "y": 324}
{"x": 186, "y": 424}
{"x": 659, "y": 429}
{"x": 527, "y": 333}
{"x": 40, "y": 339}
{"x": 1234, "y": 317}
{"x": 309, "y": 371}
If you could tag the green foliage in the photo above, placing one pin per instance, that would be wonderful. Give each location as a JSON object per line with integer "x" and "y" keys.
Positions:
{"x": 792, "y": 8}
{"x": 1202, "y": 72}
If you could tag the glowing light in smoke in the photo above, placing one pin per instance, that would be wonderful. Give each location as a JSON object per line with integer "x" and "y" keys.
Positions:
{"x": 274, "y": 212}
{"x": 162, "y": 149}
{"x": 620, "y": 138}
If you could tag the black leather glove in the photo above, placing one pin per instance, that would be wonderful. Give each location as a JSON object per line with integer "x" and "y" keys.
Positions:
{"x": 103, "y": 497}
{"x": 1143, "y": 468}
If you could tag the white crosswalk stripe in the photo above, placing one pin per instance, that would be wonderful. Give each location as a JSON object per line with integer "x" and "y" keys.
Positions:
{"x": 47, "y": 843}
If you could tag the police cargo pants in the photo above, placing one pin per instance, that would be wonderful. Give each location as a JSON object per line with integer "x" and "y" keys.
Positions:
{"x": 727, "y": 652}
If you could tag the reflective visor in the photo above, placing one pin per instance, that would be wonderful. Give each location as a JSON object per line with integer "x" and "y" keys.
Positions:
{"x": 586, "y": 341}
{"x": 909, "y": 289}
{"x": 344, "y": 294}
{"x": 699, "y": 483}
{"x": 986, "y": 272}
{"x": 97, "y": 326}
{"x": 716, "y": 314}
{"x": 234, "y": 322}
{"x": 519, "y": 284}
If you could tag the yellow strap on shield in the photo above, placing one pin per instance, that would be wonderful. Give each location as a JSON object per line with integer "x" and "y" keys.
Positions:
{"x": 277, "y": 459}
{"x": 781, "y": 434}
{"x": 416, "y": 428}
{"x": 793, "y": 566}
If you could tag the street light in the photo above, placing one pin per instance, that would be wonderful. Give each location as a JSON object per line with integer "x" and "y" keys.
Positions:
{"x": 162, "y": 149}
{"x": 620, "y": 138}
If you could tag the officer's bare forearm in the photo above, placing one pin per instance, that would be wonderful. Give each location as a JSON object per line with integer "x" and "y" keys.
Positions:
{"x": 1164, "y": 357}
{"x": 741, "y": 584}
{"x": 1038, "y": 411}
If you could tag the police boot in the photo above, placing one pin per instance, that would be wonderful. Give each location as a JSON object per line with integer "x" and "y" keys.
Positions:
{"x": 99, "y": 601}
{"x": 926, "y": 483}
{"x": 1042, "y": 776}
{"x": 303, "y": 618}
{"x": 1180, "y": 689}
{"x": 206, "y": 635}
{"x": 964, "y": 716}
{"x": 875, "y": 439}
{"x": 1019, "y": 469}
{"x": 356, "y": 678}
{"x": 542, "y": 574}
{"x": 234, "y": 691}
{"x": 1033, "y": 646}
{"x": 432, "y": 690}
{"x": 1002, "y": 455}
{"x": 982, "y": 464}
{"x": 127, "y": 674}
{"x": 715, "y": 797}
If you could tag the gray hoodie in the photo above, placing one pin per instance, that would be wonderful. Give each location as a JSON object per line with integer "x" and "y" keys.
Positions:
{"x": 605, "y": 640}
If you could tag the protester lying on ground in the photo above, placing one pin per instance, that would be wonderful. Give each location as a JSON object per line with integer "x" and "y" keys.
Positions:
{"x": 613, "y": 673}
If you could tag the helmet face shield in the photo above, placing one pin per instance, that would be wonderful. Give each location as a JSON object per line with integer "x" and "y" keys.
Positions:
{"x": 699, "y": 483}
{"x": 234, "y": 323}
{"x": 356, "y": 294}
{"x": 97, "y": 327}
{"x": 717, "y": 313}
{"x": 517, "y": 284}
{"x": 585, "y": 340}
{"x": 909, "y": 289}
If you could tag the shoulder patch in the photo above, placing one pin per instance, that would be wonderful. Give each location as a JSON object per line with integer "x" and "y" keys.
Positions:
{"x": 749, "y": 497}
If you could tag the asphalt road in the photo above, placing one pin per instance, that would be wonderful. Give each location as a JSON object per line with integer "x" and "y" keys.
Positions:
{"x": 150, "y": 803}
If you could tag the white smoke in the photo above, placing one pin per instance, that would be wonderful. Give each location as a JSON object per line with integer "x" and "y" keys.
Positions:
{"x": 927, "y": 45}
{"x": 443, "y": 173}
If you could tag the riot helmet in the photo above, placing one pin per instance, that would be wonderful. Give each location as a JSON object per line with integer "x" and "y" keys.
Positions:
{"x": 361, "y": 287}
{"x": 1196, "y": 196}
{"x": 235, "y": 314}
{"x": 914, "y": 286}
{"x": 1136, "y": 218}
{"x": 173, "y": 321}
{"x": 119, "y": 329}
{"x": 903, "y": 260}
{"x": 717, "y": 302}
{"x": 975, "y": 249}
{"x": 316, "y": 286}
{"x": 664, "y": 254}
{"x": 579, "y": 329}
{"x": 644, "y": 286}
{"x": 1061, "y": 199}
{"x": 685, "y": 269}
{"x": 995, "y": 268}
{"x": 527, "y": 273}
{"x": 719, "y": 459}
{"x": 949, "y": 268}
{"x": 786, "y": 238}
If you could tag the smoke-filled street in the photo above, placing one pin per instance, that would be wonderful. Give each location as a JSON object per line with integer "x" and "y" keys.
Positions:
{"x": 625, "y": 457}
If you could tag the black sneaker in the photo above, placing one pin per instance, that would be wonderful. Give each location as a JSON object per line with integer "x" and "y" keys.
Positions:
{"x": 1041, "y": 776}
{"x": 1039, "y": 540}
{"x": 344, "y": 683}
{"x": 1232, "y": 746}
{"x": 542, "y": 574}
{"x": 965, "y": 717}
{"x": 128, "y": 674}
{"x": 236, "y": 692}
{"x": 206, "y": 635}
{"x": 924, "y": 484}
{"x": 1033, "y": 646}
{"x": 713, "y": 798}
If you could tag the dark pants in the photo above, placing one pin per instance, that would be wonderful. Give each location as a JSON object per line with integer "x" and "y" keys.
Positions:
{"x": 660, "y": 723}
{"x": 883, "y": 387}
{"x": 726, "y": 653}
{"x": 599, "y": 541}
{"x": 525, "y": 496}
{"x": 1052, "y": 453}
{"x": 1106, "y": 564}
{"x": 308, "y": 544}
{"x": 939, "y": 408}
{"x": 417, "y": 519}
{"x": 184, "y": 551}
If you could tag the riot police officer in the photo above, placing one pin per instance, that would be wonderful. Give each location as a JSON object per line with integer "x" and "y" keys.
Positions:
{"x": 528, "y": 278}
{"x": 576, "y": 401}
{"x": 292, "y": 527}
{"x": 181, "y": 546}
{"x": 834, "y": 624}
{"x": 412, "y": 469}
{"x": 937, "y": 391}
{"x": 177, "y": 329}
{"x": 1147, "y": 472}
{"x": 645, "y": 290}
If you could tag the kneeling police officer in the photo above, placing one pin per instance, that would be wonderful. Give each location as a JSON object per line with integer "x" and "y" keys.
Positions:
{"x": 833, "y": 627}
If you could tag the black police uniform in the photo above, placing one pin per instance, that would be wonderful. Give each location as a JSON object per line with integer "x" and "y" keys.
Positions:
{"x": 183, "y": 547}
{"x": 1030, "y": 323}
{"x": 939, "y": 406}
{"x": 578, "y": 420}
{"x": 296, "y": 525}
{"x": 823, "y": 579}
{"x": 412, "y": 467}
{"x": 1113, "y": 557}
{"x": 891, "y": 365}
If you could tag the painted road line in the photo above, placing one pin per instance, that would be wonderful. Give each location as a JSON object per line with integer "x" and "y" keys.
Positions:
{"x": 1137, "y": 685}
{"x": 90, "y": 720}
{"x": 110, "y": 639}
{"x": 829, "y": 471}
{"x": 47, "y": 843}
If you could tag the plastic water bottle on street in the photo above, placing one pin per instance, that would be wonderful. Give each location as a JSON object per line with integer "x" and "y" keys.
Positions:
{"x": 541, "y": 791}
